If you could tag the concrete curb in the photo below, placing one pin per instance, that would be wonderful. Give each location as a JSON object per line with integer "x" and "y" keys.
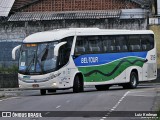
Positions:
{"x": 9, "y": 92}
{"x": 9, "y": 89}
{"x": 2, "y": 94}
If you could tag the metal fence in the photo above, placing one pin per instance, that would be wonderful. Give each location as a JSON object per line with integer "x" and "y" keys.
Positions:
{"x": 6, "y": 50}
{"x": 8, "y": 80}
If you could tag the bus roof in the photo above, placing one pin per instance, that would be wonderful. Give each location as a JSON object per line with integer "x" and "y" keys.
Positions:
{"x": 58, "y": 34}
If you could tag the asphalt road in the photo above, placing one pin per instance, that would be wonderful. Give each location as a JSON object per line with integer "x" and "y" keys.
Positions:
{"x": 106, "y": 102}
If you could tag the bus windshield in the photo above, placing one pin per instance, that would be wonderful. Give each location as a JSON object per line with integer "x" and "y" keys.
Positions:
{"x": 37, "y": 58}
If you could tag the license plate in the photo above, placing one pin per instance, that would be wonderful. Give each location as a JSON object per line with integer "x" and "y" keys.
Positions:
{"x": 35, "y": 85}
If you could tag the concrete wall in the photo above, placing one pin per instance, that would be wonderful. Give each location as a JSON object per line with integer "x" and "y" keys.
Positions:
{"x": 156, "y": 30}
{"x": 19, "y": 30}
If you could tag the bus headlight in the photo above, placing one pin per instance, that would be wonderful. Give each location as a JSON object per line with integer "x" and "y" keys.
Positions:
{"x": 54, "y": 84}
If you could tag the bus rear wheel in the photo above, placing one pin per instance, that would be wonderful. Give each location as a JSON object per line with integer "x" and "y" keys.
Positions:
{"x": 102, "y": 87}
{"x": 133, "y": 81}
{"x": 78, "y": 85}
{"x": 43, "y": 91}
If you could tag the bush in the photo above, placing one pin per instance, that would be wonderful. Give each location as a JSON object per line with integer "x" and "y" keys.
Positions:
{"x": 9, "y": 70}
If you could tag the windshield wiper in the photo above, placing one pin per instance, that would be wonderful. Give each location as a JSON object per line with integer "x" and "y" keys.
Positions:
{"x": 30, "y": 64}
{"x": 38, "y": 56}
{"x": 44, "y": 50}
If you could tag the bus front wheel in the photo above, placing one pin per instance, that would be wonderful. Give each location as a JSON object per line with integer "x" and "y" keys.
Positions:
{"x": 43, "y": 91}
{"x": 78, "y": 85}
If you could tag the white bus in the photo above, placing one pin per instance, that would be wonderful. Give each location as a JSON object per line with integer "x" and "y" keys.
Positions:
{"x": 79, "y": 57}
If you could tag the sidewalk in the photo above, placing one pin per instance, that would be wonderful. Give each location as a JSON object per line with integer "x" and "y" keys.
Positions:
{"x": 9, "y": 92}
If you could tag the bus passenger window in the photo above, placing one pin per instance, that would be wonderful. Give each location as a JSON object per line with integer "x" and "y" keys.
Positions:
{"x": 134, "y": 43}
{"x": 109, "y": 44}
{"x": 124, "y": 48}
{"x": 112, "y": 48}
{"x": 81, "y": 46}
{"x": 94, "y": 44}
{"x": 121, "y": 43}
{"x": 147, "y": 42}
{"x": 118, "y": 48}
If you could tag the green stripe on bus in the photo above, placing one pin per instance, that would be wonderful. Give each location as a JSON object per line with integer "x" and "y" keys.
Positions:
{"x": 109, "y": 71}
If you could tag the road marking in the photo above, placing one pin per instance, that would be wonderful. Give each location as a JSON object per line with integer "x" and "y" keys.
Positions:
{"x": 58, "y": 106}
{"x": 116, "y": 105}
{"x": 143, "y": 93}
{"x": 112, "y": 109}
{"x": 120, "y": 100}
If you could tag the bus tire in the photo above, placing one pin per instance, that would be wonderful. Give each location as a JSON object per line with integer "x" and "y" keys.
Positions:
{"x": 133, "y": 81}
{"x": 77, "y": 85}
{"x": 102, "y": 87}
{"x": 51, "y": 90}
{"x": 43, "y": 92}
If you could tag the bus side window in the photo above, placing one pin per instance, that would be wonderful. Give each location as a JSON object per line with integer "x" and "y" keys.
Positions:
{"x": 109, "y": 44}
{"x": 121, "y": 43}
{"x": 94, "y": 44}
{"x": 134, "y": 43}
{"x": 81, "y": 46}
{"x": 65, "y": 50}
{"x": 147, "y": 42}
{"x": 62, "y": 56}
{"x": 69, "y": 41}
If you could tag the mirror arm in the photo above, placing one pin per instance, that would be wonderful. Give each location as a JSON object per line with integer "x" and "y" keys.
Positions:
{"x": 14, "y": 51}
{"x": 56, "y": 49}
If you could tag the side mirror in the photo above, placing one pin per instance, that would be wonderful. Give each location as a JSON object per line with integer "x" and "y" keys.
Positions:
{"x": 56, "y": 49}
{"x": 14, "y": 51}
